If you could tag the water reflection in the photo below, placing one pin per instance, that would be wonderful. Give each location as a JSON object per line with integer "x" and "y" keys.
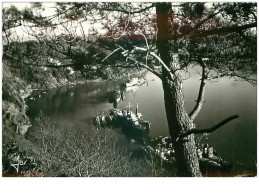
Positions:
{"x": 235, "y": 142}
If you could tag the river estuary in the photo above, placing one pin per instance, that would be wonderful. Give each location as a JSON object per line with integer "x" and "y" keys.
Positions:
{"x": 235, "y": 142}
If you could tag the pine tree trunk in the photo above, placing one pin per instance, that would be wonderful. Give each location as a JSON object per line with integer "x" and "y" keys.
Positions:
{"x": 179, "y": 121}
{"x": 177, "y": 117}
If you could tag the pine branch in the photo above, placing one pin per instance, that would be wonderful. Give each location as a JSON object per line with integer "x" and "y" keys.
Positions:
{"x": 210, "y": 130}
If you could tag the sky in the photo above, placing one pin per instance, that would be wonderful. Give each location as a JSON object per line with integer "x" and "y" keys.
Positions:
{"x": 49, "y": 7}
{"x": 49, "y": 10}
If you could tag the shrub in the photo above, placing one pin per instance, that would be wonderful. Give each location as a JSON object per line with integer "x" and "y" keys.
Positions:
{"x": 90, "y": 152}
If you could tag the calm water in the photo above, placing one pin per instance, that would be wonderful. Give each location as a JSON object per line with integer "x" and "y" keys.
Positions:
{"x": 235, "y": 142}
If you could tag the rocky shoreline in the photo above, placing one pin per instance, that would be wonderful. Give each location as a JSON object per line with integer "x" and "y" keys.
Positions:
{"x": 16, "y": 90}
{"x": 15, "y": 121}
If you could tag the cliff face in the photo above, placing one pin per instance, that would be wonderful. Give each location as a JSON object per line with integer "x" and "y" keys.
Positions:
{"x": 17, "y": 84}
{"x": 14, "y": 90}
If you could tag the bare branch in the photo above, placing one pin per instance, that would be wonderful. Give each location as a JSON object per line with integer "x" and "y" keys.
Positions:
{"x": 242, "y": 76}
{"x": 194, "y": 113}
{"x": 145, "y": 66}
{"x": 145, "y": 39}
{"x": 158, "y": 58}
{"x": 210, "y": 130}
{"x": 134, "y": 60}
{"x": 111, "y": 54}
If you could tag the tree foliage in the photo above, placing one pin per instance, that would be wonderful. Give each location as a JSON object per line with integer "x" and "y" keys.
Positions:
{"x": 221, "y": 33}
{"x": 219, "y": 37}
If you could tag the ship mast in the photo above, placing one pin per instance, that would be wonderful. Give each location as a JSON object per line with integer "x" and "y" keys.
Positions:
{"x": 129, "y": 106}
